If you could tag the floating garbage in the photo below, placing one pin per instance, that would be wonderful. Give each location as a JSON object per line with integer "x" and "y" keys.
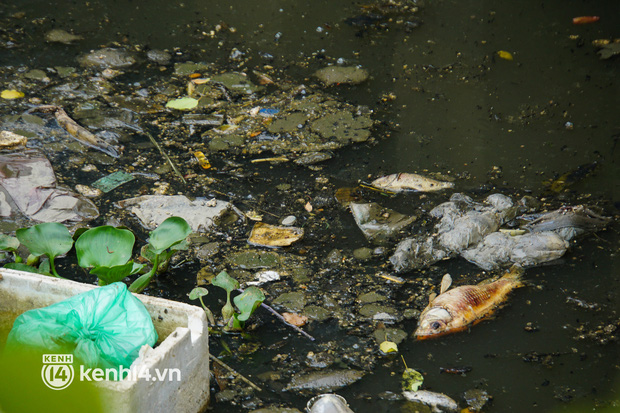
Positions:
{"x": 473, "y": 230}
{"x": 328, "y": 403}
{"x": 377, "y": 223}
{"x": 11, "y": 140}
{"x": 108, "y": 57}
{"x": 439, "y": 402}
{"x": 112, "y": 181}
{"x": 28, "y": 187}
{"x": 266, "y": 235}
{"x": 61, "y": 36}
{"x": 78, "y": 132}
{"x": 335, "y": 75}
{"x": 410, "y": 182}
{"x": 105, "y": 327}
{"x": 201, "y": 214}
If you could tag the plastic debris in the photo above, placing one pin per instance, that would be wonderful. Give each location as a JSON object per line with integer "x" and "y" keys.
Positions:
{"x": 105, "y": 327}
{"x": 112, "y": 181}
{"x": 28, "y": 186}
{"x": 328, "y": 403}
{"x": 267, "y": 235}
{"x": 377, "y": 223}
{"x": 201, "y": 214}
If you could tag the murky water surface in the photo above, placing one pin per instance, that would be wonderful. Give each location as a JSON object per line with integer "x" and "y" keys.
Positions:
{"x": 446, "y": 102}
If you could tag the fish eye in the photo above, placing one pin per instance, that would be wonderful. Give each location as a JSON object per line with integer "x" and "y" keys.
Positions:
{"x": 435, "y": 325}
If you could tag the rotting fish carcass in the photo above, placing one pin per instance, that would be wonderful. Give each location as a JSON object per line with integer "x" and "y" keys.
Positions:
{"x": 569, "y": 221}
{"x": 455, "y": 310}
{"x": 409, "y": 182}
{"x": 438, "y": 402}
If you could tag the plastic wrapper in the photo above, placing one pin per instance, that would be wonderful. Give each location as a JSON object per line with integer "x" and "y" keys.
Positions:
{"x": 103, "y": 328}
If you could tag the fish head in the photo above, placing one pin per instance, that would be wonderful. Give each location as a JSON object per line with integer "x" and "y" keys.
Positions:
{"x": 433, "y": 323}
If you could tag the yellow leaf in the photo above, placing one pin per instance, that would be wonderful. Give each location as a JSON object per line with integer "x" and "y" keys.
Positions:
{"x": 504, "y": 55}
{"x": 388, "y": 347}
{"x": 12, "y": 94}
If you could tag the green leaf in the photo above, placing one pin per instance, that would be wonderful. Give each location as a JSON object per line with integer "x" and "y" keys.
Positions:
{"x": 109, "y": 275}
{"x": 8, "y": 243}
{"x": 197, "y": 293}
{"x": 141, "y": 282}
{"x": 49, "y": 238}
{"x": 170, "y": 232}
{"x": 104, "y": 246}
{"x": 182, "y": 103}
{"x": 26, "y": 268}
{"x": 225, "y": 281}
{"x": 248, "y": 301}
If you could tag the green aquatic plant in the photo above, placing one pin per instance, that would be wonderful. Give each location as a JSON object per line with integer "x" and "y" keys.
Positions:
{"x": 247, "y": 302}
{"x": 229, "y": 284}
{"x": 169, "y": 237}
{"x": 198, "y": 293}
{"x": 107, "y": 250}
{"x": 49, "y": 238}
{"x": 10, "y": 244}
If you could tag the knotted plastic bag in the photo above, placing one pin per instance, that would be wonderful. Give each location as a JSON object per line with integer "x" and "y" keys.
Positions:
{"x": 104, "y": 327}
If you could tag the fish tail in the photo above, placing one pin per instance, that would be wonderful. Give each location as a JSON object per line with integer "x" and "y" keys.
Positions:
{"x": 515, "y": 276}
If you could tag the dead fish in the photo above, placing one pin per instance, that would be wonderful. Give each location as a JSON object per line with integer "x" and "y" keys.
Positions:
{"x": 439, "y": 402}
{"x": 466, "y": 305}
{"x": 78, "y": 132}
{"x": 410, "y": 182}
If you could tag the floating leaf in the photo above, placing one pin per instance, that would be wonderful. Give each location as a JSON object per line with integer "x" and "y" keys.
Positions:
{"x": 388, "y": 347}
{"x": 502, "y": 54}
{"x": 12, "y": 94}
{"x": 295, "y": 319}
{"x": 185, "y": 103}
{"x": 267, "y": 235}
{"x": 104, "y": 246}
{"x": 412, "y": 380}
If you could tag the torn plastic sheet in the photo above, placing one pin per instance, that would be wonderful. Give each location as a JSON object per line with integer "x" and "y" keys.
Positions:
{"x": 28, "y": 187}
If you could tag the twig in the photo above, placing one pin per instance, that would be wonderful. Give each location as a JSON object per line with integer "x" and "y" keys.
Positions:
{"x": 275, "y": 313}
{"x": 233, "y": 371}
{"x": 174, "y": 168}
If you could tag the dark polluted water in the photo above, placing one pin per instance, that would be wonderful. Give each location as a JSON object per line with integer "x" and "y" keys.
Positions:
{"x": 445, "y": 101}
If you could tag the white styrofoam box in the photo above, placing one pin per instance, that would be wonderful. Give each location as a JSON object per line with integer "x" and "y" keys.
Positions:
{"x": 183, "y": 346}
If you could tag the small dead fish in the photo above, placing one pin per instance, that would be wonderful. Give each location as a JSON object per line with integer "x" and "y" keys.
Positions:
{"x": 466, "y": 305}
{"x": 439, "y": 402}
{"x": 410, "y": 182}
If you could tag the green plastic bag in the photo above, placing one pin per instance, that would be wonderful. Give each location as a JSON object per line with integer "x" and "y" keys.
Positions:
{"x": 103, "y": 328}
